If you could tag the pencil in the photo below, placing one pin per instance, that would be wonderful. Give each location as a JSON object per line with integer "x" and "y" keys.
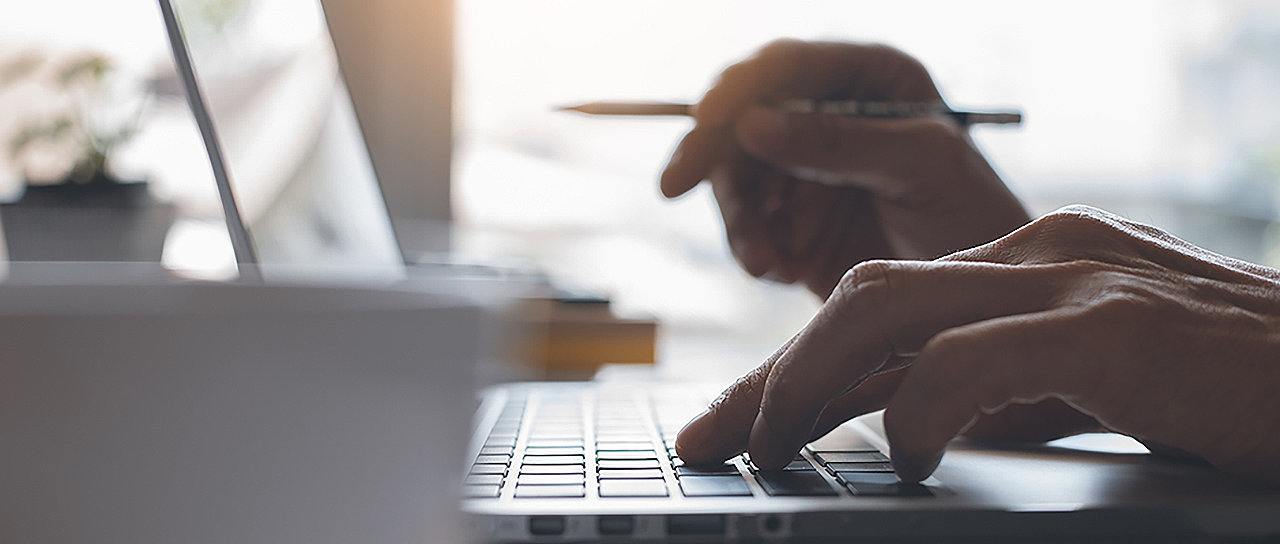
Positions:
{"x": 850, "y": 108}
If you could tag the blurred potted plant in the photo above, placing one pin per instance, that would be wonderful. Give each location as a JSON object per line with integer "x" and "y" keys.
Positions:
{"x": 73, "y": 207}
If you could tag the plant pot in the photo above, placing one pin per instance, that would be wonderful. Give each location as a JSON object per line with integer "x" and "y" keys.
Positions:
{"x": 97, "y": 221}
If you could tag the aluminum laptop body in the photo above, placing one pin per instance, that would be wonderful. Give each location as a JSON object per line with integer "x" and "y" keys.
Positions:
{"x": 1085, "y": 489}
{"x": 573, "y": 462}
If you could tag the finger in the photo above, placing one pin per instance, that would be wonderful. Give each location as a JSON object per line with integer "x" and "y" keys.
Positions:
{"x": 807, "y": 217}
{"x": 770, "y": 69}
{"x": 776, "y": 193}
{"x": 737, "y": 191}
{"x": 880, "y": 308}
{"x": 779, "y": 214}
{"x": 1043, "y": 421}
{"x": 697, "y": 154}
{"x": 720, "y": 432}
{"x": 974, "y": 369}
{"x": 877, "y": 154}
{"x": 815, "y": 69}
{"x": 872, "y": 395}
{"x": 857, "y": 237}
{"x": 811, "y": 207}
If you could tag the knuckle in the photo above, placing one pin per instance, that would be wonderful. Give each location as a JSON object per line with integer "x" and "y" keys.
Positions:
{"x": 867, "y": 282}
{"x": 780, "y": 47}
{"x": 1071, "y": 232}
{"x": 772, "y": 53}
{"x": 744, "y": 389}
{"x": 908, "y": 62}
{"x": 865, "y": 296}
{"x": 1065, "y": 215}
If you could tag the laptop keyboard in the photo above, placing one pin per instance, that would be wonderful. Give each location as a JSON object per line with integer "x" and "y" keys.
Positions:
{"x": 577, "y": 443}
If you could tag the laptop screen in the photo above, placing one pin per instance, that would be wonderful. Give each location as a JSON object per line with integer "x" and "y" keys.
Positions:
{"x": 296, "y": 161}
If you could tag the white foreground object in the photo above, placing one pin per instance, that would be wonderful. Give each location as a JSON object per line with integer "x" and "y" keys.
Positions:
{"x": 216, "y": 413}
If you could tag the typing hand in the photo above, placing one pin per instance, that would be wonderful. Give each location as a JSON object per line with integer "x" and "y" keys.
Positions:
{"x": 806, "y": 196}
{"x": 1114, "y": 320}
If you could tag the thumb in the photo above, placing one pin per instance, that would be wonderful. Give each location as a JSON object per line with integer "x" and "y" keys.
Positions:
{"x": 883, "y": 155}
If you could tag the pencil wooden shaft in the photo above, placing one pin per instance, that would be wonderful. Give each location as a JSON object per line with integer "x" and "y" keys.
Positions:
{"x": 850, "y": 108}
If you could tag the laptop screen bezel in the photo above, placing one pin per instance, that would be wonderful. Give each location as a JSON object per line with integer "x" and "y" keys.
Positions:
{"x": 247, "y": 259}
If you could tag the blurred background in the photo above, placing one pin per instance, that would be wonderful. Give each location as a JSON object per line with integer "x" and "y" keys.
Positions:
{"x": 1166, "y": 112}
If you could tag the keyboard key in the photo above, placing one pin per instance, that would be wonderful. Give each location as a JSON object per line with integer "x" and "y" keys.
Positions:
{"x": 639, "y": 454}
{"x": 624, "y": 446}
{"x": 881, "y": 485}
{"x": 633, "y": 488}
{"x": 554, "y": 442}
{"x": 493, "y": 459}
{"x": 619, "y": 426}
{"x": 851, "y": 457}
{"x": 714, "y": 486}
{"x": 551, "y": 469}
{"x": 495, "y": 450}
{"x": 627, "y": 463}
{"x": 630, "y": 474}
{"x": 841, "y": 439}
{"x": 703, "y": 470}
{"x": 551, "y": 479}
{"x": 484, "y": 479}
{"x": 556, "y": 431}
{"x": 503, "y": 441}
{"x": 799, "y": 464}
{"x": 555, "y": 435}
{"x": 550, "y": 491}
{"x": 552, "y": 459}
{"x": 794, "y": 483}
{"x": 867, "y": 478}
{"x": 564, "y": 450}
{"x": 488, "y": 469}
{"x": 860, "y": 467}
{"x": 481, "y": 491}
{"x": 629, "y": 438}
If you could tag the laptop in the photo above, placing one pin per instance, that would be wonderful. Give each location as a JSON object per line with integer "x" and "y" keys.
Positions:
{"x": 573, "y": 462}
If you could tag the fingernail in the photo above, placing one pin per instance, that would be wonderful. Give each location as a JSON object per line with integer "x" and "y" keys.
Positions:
{"x": 692, "y": 439}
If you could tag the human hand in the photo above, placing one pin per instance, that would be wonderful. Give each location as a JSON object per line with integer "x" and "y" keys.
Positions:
{"x": 1108, "y": 319}
{"x": 806, "y": 196}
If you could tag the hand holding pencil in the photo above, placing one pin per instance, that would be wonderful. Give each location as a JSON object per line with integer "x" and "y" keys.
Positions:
{"x": 823, "y": 154}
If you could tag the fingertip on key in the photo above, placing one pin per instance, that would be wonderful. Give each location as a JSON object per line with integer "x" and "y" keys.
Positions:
{"x": 692, "y": 442}
{"x": 912, "y": 470}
